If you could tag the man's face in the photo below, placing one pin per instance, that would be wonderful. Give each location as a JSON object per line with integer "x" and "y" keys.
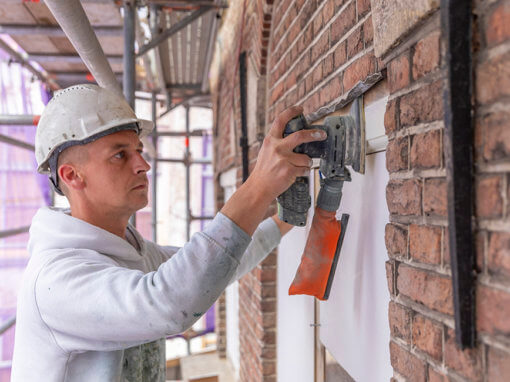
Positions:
{"x": 115, "y": 173}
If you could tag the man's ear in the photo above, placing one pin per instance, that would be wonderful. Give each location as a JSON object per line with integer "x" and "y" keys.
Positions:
{"x": 69, "y": 175}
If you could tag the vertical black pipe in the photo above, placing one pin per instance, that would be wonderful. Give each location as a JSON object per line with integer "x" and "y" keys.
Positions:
{"x": 243, "y": 141}
{"x": 456, "y": 29}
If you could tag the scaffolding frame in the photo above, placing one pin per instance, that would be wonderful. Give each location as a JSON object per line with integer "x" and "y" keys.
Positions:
{"x": 129, "y": 82}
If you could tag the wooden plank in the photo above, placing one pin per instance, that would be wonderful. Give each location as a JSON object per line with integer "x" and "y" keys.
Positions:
{"x": 36, "y": 44}
{"x": 112, "y": 45}
{"x": 103, "y": 14}
{"x": 15, "y": 13}
{"x": 63, "y": 45}
{"x": 63, "y": 67}
{"x": 41, "y": 13}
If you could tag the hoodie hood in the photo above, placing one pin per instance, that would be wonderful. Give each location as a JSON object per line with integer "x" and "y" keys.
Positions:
{"x": 54, "y": 228}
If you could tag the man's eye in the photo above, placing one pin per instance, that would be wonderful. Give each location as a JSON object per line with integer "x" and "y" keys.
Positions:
{"x": 119, "y": 155}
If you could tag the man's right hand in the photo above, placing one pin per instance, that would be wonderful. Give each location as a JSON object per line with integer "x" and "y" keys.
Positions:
{"x": 276, "y": 169}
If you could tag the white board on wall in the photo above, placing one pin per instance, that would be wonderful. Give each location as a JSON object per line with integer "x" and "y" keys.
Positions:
{"x": 354, "y": 321}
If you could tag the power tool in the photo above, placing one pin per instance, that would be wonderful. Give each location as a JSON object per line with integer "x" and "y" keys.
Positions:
{"x": 344, "y": 146}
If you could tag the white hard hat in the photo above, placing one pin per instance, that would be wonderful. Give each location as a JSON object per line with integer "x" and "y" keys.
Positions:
{"x": 80, "y": 114}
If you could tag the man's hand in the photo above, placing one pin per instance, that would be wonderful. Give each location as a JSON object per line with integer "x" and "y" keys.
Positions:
{"x": 276, "y": 169}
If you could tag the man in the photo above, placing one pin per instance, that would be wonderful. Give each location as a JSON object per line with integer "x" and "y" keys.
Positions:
{"x": 94, "y": 290}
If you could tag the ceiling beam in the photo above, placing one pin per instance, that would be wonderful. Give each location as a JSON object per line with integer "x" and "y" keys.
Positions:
{"x": 69, "y": 58}
{"x": 53, "y": 31}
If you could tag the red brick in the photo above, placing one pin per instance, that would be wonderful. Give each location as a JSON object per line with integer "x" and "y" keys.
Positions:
{"x": 425, "y": 244}
{"x": 320, "y": 47}
{"x": 426, "y": 55}
{"x": 390, "y": 276}
{"x": 427, "y": 288}
{"x": 317, "y": 75}
{"x": 390, "y": 117}
{"x": 422, "y": 105}
{"x": 368, "y": 32}
{"x": 397, "y": 154}
{"x": 426, "y": 150}
{"x": 290, "y": 80}
{"x": 363, "y": 7}
{"x": 396, "y": 240}
{"x": 428, "y": 336}
{"x": 465, "y": 362}
{"x": 435, "y": 200}
{"x": 359, "y": 70}
{"x": 498, "y": 24}
{"x": 327, "y": 65}
{"x": 404, "y": 197}
{"x": 399, "y": 73}
{"x": 435, "y": 376}
{"x": 318, "y": 23}
{"x": 343, "y": 22}
{"x": 407, "y": 364}
{"x": 498, "y": 259}
{"x": 277, "y": 92}
{"x": 493, "y": 79}
{"x": 494, "y": 132}
{"x": 331, "y": 90}
{"x": 400, "y": 321}
{"x": 493, "y": 310}
{"x": 340, "y": 54}
{"x": 498, "y": 365}
{"x": 328, "y": 11}
{"x": 489, "y": 201}
{"x": 354, "y": 43}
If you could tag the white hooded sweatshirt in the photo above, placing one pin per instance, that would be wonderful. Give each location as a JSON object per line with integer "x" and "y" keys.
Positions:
{"x": 89, "y": 295}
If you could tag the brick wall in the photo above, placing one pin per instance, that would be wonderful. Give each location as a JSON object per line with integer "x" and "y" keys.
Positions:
{"x": 419, "y": 276}
{"x": 316, "y": 52}
{"x": 247, "y": 26}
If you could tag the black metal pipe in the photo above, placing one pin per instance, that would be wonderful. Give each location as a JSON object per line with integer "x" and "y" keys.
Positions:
{"x": 456, "y": 29}
{"x": 243, "y": 141}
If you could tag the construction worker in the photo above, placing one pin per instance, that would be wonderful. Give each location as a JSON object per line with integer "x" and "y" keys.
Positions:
{"x": 95, "y": 292}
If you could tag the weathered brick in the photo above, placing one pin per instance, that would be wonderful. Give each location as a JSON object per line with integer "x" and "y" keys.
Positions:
{"x": 493, "y": 310}
{"x": 498, "y": 24}
{"x": 359, "y": 70}
{"x": 489, "y": 201}
{"x": 317, "y": 75}
{"x": 400, "y": 321}
{"x": 435, "y": 200}
{"x": 397, "y": 154}
{"x": 399, "y": 73}
{"x": 427, "y": 288}
{"x": 498, "y": 365}
{"x": 368, "y": 32}
{"x": 425, "y": 243}
{"x": 277, "y": 92}
{"x": 426, "y": 55}
{"x": 354, "y": 43}
{"x": 363, "y": 7}
{"x": 498, "y": 259}
{"x": 465, "y": 362}
{"x": 396, "y": 239}
{"x": 422, "y": 105}
{"x": 404, "y": 197}
{"x": 428, "y": 336}
{"x": 390, "y": 276}
{"x": 343, "y": 22}
{"x": 340, "y": 54}
{"x": 435, "y": 376}
{"x": 407, "y": 364}
{"x": 328, "y": 65}
{"x": 328, "y": 11}
{"x": 493, "y": 79}
{"x": 494, "y": 133}
{"x": 331, "y": 90}
{"x": 390, "y": 117}
{"x": 320, "y": 47}
{"x": 318, "y": 23}
{"x": 426, "y": 150}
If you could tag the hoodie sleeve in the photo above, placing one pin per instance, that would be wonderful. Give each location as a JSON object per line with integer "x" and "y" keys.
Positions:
{"x": 90, "y": 303}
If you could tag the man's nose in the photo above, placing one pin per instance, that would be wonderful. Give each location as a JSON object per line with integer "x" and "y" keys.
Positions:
{"x": 140, "y": 164}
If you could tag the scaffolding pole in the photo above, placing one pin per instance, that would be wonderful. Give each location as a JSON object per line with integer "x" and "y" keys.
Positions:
{"x": 187, "y": 164}
{"x": 154, "y": 166}
{"x": 19, "y": 119}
